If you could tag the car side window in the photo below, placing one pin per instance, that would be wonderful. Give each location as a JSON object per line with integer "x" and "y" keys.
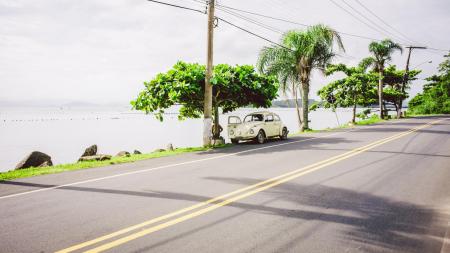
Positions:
{"x": 269, "y": 118}
{"x": 258, "y": 117}
{"x": 276, "y": 117}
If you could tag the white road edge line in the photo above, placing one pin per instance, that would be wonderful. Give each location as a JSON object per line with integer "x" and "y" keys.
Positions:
{"x": 446, "y": 243}
{"x": 166, "y": 166}
{"x": 175, "y": 164}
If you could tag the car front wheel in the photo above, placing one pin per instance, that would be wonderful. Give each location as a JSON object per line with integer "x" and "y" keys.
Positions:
{"x": 234, "y": 141}
{"x": 261, "y": 137}
{"x": 284, "y": 134}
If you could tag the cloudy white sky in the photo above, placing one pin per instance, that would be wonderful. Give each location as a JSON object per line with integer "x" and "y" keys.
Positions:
{"x": 101, "y": 51}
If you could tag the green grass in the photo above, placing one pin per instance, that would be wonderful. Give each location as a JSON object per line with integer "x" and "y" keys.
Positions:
{"x": 372, "y": 120}
{"x": 30, "y": 172}
{"x": 369, "y": 121}
{"x": 412, "y": 115}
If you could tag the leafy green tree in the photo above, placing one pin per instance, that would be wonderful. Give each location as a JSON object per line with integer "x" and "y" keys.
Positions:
{"x": 393, "y": 92}
{"x": 435, "y": 98}
{"x": 381, "y": 54}
{"x": 233, "y": 87}
{"x": 301, "y": 52}
{"x": 357, "y": 88}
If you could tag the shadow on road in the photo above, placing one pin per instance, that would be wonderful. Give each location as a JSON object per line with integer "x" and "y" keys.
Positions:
{"x": 303, "y": 142}
{"x": 372, "y": 223}
{"x": 276, "y": 145}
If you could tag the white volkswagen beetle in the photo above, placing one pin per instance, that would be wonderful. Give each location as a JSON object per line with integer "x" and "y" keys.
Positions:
{"x": 257, "y": 126}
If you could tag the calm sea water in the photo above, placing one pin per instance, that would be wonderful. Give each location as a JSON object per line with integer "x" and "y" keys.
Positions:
{"x": 65, "y": 133}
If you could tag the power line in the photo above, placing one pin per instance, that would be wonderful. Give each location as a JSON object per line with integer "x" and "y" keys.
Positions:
{"x": 177, "y": 6}
{"x": 306, "y": 25}
{"x": 270, "y": 28}
{"x": 269, "y": 17}
{"x": 221, "y": 19}
{"x": 252, "y": 33}
{"x": 384, "y": 22}
{"x": 264, "y": 16}
{"x": 356, "y": 17}
{"x": 294, "y": 22}
{"x": 374, "y": 23}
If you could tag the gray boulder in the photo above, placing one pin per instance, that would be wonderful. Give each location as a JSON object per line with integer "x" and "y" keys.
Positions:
{"x": 159, "y": 150}
{"x": 123, "y": 153}
{"x": 46, "y": 164}
{"x": 35, "y": 159}
{"x": 98, "y": 157}
{"x": 90, "y": 151}
{"x": 137, "y": 152}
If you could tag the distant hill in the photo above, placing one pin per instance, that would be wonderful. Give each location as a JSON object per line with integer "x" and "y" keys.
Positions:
{"x": 288, "y": 103}
{"x": 60, "y": 104}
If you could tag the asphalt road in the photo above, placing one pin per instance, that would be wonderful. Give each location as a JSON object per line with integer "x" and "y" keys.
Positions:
{"x": 381, "y": 188}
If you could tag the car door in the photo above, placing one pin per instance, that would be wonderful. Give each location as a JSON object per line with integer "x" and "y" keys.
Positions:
{"x": 269, "y": 125}
{"x": 277, "y": 124}
{"x": 233, "y": 122}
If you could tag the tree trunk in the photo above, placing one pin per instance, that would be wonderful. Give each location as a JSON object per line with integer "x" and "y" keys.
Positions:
{"x": 354, "y": 108}
{"x": 354, "y": 114}
{"x": 216, "y": 131}
{"x": 305, "y": 105}
{"x": 380, "y": 92}
{"x": 399, "y": 111}
{"x": 299, "y": 118}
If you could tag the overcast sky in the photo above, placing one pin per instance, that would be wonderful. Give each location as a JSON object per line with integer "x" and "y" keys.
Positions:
{"x": 101, "y": 51}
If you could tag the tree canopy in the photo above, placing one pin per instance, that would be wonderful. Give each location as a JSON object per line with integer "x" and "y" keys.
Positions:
{"x": 357, "y": 88}
{"x": 233, "y": 87}
{"x": 435, "y": 97}
{"x": 393, "y": 80}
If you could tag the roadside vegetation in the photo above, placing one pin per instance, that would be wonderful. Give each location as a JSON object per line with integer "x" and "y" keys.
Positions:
{"x": 374, "y": 119}
{"x": 29, "y": 172}
{"x": 369, "y": 121}
{"x": 233, "y": 87}
{"x": 435, "y": 98}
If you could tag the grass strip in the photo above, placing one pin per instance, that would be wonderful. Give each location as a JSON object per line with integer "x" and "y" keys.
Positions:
{"x": 30, "y": 172}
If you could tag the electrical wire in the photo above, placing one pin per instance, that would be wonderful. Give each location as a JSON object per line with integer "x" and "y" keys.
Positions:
{"x": 252, "y": 33}
{"x": 384, "y": 22}
{"x": 306, "y": 25}
{"x": 177, "y": 6}
{"x": 270, "y": 28}
{"x": 373, "y": 23}
{"x": 357, "y": 18}
{"x": 264, "y": 25}
{"x": 294, "y": 22}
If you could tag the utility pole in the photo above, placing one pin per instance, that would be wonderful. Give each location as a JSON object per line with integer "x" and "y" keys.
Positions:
{"x": 405, "y": 77}
{"x": 207, "y": 109}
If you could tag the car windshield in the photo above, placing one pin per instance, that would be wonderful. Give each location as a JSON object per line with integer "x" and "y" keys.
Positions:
{"x": 254, "y": 117}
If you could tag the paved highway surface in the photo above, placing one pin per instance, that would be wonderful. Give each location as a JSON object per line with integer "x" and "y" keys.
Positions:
{"x": 381, "y": 188}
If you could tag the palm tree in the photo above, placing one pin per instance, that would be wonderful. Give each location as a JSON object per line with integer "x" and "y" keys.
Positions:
{"x": 382, "y": 52}
{"x": 300, "y": 52}
{"x": 285, "y": 69}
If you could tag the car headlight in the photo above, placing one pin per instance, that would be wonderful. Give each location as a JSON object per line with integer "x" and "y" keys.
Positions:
{"x": 231, "y": 132}
{"x": 251, "y": 131}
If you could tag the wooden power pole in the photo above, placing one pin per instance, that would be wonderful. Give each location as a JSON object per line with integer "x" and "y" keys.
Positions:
{"x": 405, "y": 77}
{"x": 207, "y": 109}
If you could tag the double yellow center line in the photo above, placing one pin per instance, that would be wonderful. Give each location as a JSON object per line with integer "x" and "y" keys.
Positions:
{"x": 214, "y": 203}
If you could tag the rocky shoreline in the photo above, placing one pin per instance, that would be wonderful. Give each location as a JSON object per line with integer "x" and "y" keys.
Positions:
{"x": 37, "y": 159}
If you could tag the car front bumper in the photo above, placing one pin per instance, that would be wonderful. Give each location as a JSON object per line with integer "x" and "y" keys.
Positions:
{"x": 242, "y": 136}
